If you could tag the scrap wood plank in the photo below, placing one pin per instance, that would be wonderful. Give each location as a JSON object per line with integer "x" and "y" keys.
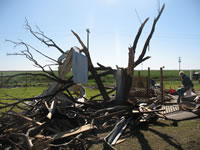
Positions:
{"x": 170, "y": 109}
{"x": 51, "y": 108}
{"x": 120, "y": 141}
{"x": 67, "y": 133}
{"x": 156, "y": 112}
{"x": 148, "y": 111}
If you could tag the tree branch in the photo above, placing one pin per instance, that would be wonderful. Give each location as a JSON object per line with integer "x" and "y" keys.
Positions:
{"x": 92, "y": 69}
{"x": 44, "y": 39}
{"x": 139, "y": 60}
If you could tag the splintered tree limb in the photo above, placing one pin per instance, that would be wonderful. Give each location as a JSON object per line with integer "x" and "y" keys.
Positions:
{"x": 132, "y": 49}
{"x": 150, "y": 36}
{"x": 68, "y": 133}
{"x": 92, "y": 69}
{"x": 79, "y": 40}
{"x": 64, "y": 134}
{"x": 126, "y": 75}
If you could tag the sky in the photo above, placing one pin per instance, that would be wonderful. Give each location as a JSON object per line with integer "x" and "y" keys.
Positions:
{"x": 113, "y": 25}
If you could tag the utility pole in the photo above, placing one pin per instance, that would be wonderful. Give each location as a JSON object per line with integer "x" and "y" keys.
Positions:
{"x": 179, "y": 62}
{"x": 88, "y": 32}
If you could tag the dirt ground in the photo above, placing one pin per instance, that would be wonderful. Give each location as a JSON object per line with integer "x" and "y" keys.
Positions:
{"x": 160, "y": 135}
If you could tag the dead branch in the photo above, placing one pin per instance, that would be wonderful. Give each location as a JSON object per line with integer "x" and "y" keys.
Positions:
{"x": 28, "y": 45}
{"x": 92, "y": 69}
{"x": 140, "y": 59}
{"x": 29, "y": 56}
{"x": 132, "y": 49}
{"x": 80, "y": 41}
{"x": 44, "y": 39}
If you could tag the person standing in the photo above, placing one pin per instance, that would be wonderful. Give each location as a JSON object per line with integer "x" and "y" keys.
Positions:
{"x": 187, "y": 84}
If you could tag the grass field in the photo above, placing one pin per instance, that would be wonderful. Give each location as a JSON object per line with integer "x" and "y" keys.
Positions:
{"x": 168, "y": 75}
{"x": 36, "y": 84}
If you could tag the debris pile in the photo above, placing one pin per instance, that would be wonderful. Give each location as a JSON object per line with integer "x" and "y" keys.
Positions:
{"x": 49, "y": 124}
{"x": 62, "y": 117}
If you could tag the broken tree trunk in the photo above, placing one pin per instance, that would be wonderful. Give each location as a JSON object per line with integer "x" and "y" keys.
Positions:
{"x": 123, "y": 86}
{"x": 124, "y": 77}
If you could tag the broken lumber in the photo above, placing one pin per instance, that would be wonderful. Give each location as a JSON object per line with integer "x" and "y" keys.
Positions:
{"x": 71, "y": 132}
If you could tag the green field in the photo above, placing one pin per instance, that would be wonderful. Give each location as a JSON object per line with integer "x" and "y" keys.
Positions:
{"x": 168, "y": 75}
{"x": 33, "y": 85}
{"x": 29, "y": 86}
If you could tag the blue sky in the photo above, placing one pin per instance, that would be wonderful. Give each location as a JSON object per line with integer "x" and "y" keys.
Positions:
{"x": 113, "y": 25}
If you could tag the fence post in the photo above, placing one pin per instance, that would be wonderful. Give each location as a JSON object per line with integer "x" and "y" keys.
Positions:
{"x": 1, "y": 80}
{"x": 161, "y": 84}
{"x": 138, "y": 74}
{"x": 148, "y": 82}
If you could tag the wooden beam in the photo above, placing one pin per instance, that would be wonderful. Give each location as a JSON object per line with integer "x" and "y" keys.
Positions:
{"x": 71, "y": 132}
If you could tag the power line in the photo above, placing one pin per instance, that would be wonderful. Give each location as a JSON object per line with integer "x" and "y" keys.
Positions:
{"x": 138, "y": 16}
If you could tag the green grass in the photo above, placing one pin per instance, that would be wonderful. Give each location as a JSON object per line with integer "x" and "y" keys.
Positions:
{"x": 176, "y": 84}
{"x": 171, "y": 80}
{"x": 22, "y": 92}
{"x": 168, "y": 75}
{"x": 10, "y": 95}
